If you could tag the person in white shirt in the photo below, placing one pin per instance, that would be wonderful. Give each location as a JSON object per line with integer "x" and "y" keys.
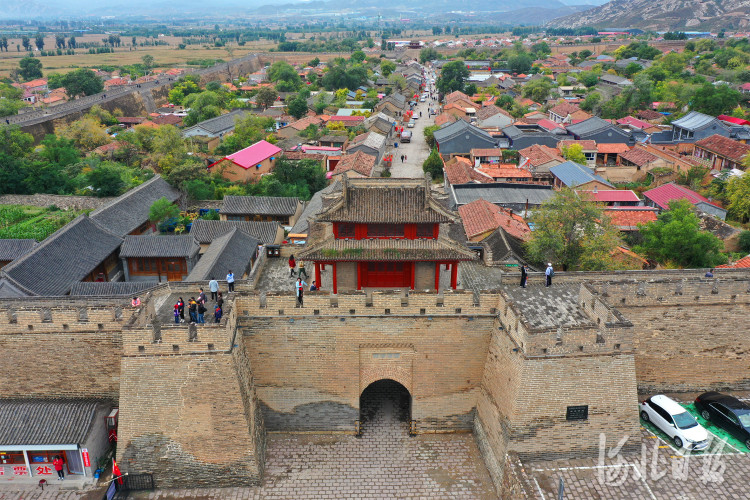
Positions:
{"x": 230, "y": 281}
{"x": 549, "y": 273}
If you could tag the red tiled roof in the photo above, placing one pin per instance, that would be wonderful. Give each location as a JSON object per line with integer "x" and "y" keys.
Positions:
{"x": 481, "y": 216}
{"x": 649, "y": 114}
{"x": 486, "y": 152}
{"x": 618, "y": 148}
{"x": 724, "y": 146}
{"x": 629, "y": 218}
{"x": 167, "y": 120}
{"x": 505, "y": 172}
{"x": 639, "y": 156}
{"x": 744, "y": 262}
{"x": 453, "y": 96}
{"x": 444, "y": 118}
{"x": 252, "y": 155}
{"x": 539, "y": 154}
{"x": 612, "y": 195}
{"x": 360, "y": 162}
{"x": 665, "y": 193}
{"x": 586, "y": 144}
{"x": 564, "y": 109}
{"x": 458, "y": 170}
{"x": 39, "y": 82}
{"x": 548, "y": 124}
{"x": 305, "y": 122}
{"x": 348, "y": 121}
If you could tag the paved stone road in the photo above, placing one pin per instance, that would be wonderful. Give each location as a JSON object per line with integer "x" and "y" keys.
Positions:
{"x": 416, "y": 151}
{"x": 384, "y": 463}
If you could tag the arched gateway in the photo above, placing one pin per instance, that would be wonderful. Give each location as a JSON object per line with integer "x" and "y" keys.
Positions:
{"x": 385, "y": 406}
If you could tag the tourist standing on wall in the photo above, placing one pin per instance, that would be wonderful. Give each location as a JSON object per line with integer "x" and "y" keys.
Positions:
{"x": 548, "y": 274}
{"x": 524, "y": 276}
{"x": 193, "y": 310}
{"x": 181, "y": 307}
{"x": 213, "y": 285}
{"x": 202, "y": 297}
{"x": 230, "y": 281}
{"x": 299, "y": 289}
{"x": 292, "y": 266}
{"x": 301, "y": 268}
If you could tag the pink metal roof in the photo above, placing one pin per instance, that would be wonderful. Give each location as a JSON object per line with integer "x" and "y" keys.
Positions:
{"x": 252, "y": 155}
{"x": 633, "y": 122}
{"x": 613, "y": 195}
{"x": 548, "y": 124}
{"x": 662, "y": 195}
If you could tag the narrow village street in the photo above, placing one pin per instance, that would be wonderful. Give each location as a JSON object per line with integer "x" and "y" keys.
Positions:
{"x": 416, "y": 151}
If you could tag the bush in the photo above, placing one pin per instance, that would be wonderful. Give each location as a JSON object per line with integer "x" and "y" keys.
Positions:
{"x": 744, "y": 242}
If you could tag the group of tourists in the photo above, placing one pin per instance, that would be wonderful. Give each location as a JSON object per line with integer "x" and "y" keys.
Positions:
{"x": 298, "y": 269}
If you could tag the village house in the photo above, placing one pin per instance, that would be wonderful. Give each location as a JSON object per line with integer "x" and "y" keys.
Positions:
{"x": 334, "y": 141}
{"x": 505, "y": 172}
{"x": 627, "y": 218}
{"x": 481, "y": 218}
{"x": 294, "y": 128}
{"x": 371, "y": 143}
{"x": 521, "y": 198}
{"x": 588, "y": 148}
{"x": 721, "y": 152}
{"x": 611, "y": 197}
{"x": 538, "y": 159}
{"x": 206, "y": 231}
{"x": 659, "y": 197}
{"x": 158, "y": 258}
{"x": 489, "y": 155}
{"x": 601, "y": 131}
{"x": 459, "y": 170}
{"x": 11, "y": 249}
{"x": 249, "y": 164}
{"x": 284, "y": 210}
{"x": 383, "y": 233}
{"x": 692, "y": 127}
{"x": 355, "y": 165}
{"x": 215, "y": 127}
{"x": 572, "y": 175}
{"x": 493, "y": 117}
{"x": 234, "y": 251}
{"x": 461, "y": 137}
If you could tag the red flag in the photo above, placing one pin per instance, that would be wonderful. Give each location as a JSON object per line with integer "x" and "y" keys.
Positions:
{"x": 116, "y": 472}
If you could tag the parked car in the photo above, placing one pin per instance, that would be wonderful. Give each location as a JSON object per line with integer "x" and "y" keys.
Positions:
{"x": 406, "y": 136}
{"x": 726, "y": 412}
{"x": 422, "y": 99}
{"x": 411, "y": 124}
{"x": 673, "y": 420}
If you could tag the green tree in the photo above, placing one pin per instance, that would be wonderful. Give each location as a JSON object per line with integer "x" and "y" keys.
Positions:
{"x": 26, "y": 42}
{"x": 520, "y": 63}
{"x": 266, "y": 97}
{"x": 203, "y": 106}
{"x": 15, "y": 143}
{"x": 744, "y": 242}
{"x": 715, "y": 99}
{"x": 162, "y": 209}
{"x": 247, "y": 131}
{"x": 358, "y": 56}
{"x": 573, "y": 232}
{"x": 30, "y": 68}
{"x": 428, "y": 54}
{"x": 387, "y": 67}
{"x": 87, "y": 133}
{"x": 45, "y": 177}
{"x": 39, "y": 41}
{"x": 59, "y": 151}
{"x": 433, "y": 165}
{"x": 106, "y": 181}
{"x": 452, "y": 77}
{"x": 574, "y": 152}
{"x": 148, "y": 61}
{"x": 538, "y": 90}
{"x": 282, "y": 71}
{"x": 297, "y": 107}
{"x": 81, "y": 82}
{"x": 675, "y": 239}
{"x": 429, "y": 136}
{"x": 738, "y": 194}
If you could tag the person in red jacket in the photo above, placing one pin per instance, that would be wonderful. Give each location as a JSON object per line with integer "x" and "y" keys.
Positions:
{"x": 57, "y": 463}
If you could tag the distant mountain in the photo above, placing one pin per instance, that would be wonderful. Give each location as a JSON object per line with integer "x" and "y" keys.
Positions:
{"x": 694, "y": 15}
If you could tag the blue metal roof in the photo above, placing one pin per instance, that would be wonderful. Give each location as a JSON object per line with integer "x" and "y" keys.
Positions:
{"x": 571, "y": 174}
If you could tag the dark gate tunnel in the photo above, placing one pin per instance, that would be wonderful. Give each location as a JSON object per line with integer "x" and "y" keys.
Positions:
{"x": 385, "y": 405}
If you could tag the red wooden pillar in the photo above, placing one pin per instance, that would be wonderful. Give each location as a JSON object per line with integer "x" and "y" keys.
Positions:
{"x": 334, "y": 278}
{"x": 437, "y": 275}
{"x": 317, "y": 275}
{"x": 413, "y": 273}
{"x": 359, "y": 276}
{"x": 454, "y": 275}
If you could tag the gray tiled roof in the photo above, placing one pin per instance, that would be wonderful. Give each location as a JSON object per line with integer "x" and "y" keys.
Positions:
{"x": 64, "y": 258}
{"x": 45, "y": 422}
{"x": 372, "y": 140}
{"x": 233, "y": 251}
{"x": 501, "y": 193}
{"x": 182, "y": 245}
{"x": 111, "y": 288}
{"x": 262, "y": 205}
{"x": 8, "y": 290}
{"x": 13, "y": 249}
{"x": 313, "y": 208}
{"x": 206, "y": 231}
{"x": 128, "y": 211}
{"x": 457, "y": 128}
{"x": 571, "y": 174}
{"x": 589, "y": 126}
{"x": 219, "y": 124}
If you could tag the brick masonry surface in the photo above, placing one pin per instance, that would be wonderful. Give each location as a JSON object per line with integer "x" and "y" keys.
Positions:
{"x": 384, "y": 463}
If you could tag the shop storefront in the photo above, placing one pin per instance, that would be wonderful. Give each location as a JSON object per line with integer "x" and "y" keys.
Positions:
{"x": 33, "y": 433}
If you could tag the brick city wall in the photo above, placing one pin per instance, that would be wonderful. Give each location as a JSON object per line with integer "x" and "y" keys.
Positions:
{"x": 63, "y": 348}
{"x": 311, "y": 364}
{"x": 690, "y": 335}
{"x": 61, "y": 201}
{"x": 188, "y": 411}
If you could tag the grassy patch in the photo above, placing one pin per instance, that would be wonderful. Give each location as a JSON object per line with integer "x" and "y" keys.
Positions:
{"x": 21, "y": 222}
